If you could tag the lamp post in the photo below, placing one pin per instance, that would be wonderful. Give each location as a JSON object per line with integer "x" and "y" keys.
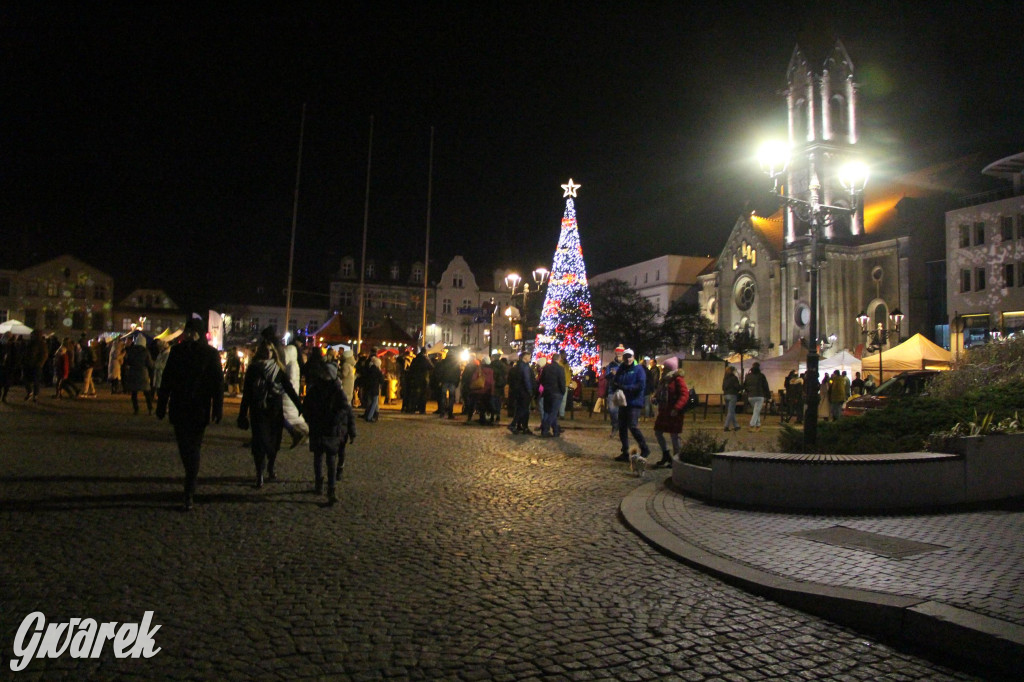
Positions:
{"x": 774, "y": 158}
{"x": 880, "y": 335}
{"x": 512, "y": 280}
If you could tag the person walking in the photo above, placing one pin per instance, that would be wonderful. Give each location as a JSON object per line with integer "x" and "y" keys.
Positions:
{"x": 499, "y": 368}
{"x": 372, "y": 381}
{"x": 347, "y": 374}
{"x": 671, "y": 397}
{"x": 63, "y": 361}
{"x": 837, "y": 395}
{"x": 115, "y": 362}
{"x": 824, "y": 398}
{"x": 631, "y": 380}
{"x": 34, "y": 360}
{"x": 521, "y": 387}
{"x": 795, "y": 398}
{"x": 331, "y": 420}
{"x": 613, "y": 409}
{"x": 263, "y": 393}
{"x": 552, "y": 381}
{"x": 731, "y": 388}
{"x": 233, "y": 372}
{"x": 756, "y": 386}
{"x": 90, "y": 364}
{"x": 482, "y": 388}
{"x": 293, "y": 421}
{"x": 192, "y": 395}
{"x": 137, "y": 365}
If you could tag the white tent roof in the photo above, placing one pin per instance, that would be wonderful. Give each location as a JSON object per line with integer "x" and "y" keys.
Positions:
{"x": 916, "y": 352}
{"x": 844, "y": 361}
{"x": 15, "y": 327}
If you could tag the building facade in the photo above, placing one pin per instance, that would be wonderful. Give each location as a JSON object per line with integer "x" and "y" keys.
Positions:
{"x": 152, "y": 310}
{"x": 664, "y": 280}
{"x": 391, "y": 288}
{"x": 463, "y": 310}
{"x": 63, "y": 296}
{"x": 985, "y": 260}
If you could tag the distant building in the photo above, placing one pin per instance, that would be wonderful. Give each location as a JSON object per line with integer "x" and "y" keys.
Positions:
{"x": 461, "y": 315}
{"x": 985, "y": 260}
{"x": 151, "y": 309}
{"x": 664, "y": 280}
{"x": 63, "y": 296}
{"x": 391, "y": 289}
{"x": 244, "y": 322}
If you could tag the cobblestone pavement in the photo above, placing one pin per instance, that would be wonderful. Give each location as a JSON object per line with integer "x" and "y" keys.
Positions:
{"x": 457, "y": 552}
{"x": 978, "y": 563}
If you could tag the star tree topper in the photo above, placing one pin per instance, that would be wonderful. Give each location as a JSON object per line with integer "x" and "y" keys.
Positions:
{"x": 570, "y": 189}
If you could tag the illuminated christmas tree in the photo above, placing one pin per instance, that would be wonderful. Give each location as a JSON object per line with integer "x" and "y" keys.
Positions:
{"x": 566, "y": 321}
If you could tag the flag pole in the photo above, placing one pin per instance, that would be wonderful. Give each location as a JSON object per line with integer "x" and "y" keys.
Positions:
{"x": 295, "y": 216}
{"x": 426, "y": 257}
{"x": 366, "y": 220}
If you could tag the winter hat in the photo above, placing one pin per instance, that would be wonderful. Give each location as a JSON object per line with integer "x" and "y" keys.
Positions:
{"x": 269, "y": 334}
{"x": 671, "y": 365}
{"x": 348, "y": 353}
{"x": 376, "y": 362}
{"x": 620, "y": 349}
{"x": 486, "y": 360}
{"x": 195, "y": 325}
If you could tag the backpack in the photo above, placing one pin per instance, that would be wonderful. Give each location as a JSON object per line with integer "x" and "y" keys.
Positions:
{"x": 692, "y": 400}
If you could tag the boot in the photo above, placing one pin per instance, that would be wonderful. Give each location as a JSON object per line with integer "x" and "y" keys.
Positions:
{"x": 666, "y": 460}
{"x": 319, "y": 487}
{"x": 332, "y": 498}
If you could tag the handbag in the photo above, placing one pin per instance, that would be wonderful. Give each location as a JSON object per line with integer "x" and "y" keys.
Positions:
{"x": 618, "y": 399}
{"x": 598, "y": 406}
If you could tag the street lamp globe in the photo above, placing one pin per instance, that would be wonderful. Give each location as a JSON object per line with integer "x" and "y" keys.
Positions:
{"x": 540, "y": 275}
{"x": 773, "y": 157}
{"x": 853, "y": 176}
{"x": 512, "y": 280}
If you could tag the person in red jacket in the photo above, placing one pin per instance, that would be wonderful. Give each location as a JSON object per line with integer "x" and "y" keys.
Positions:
{"x": 671, "y": 396}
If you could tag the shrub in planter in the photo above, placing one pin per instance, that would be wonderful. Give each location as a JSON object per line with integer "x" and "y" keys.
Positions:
{"x": 698, "y": 447}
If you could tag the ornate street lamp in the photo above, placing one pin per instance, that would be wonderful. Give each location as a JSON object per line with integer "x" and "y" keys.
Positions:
{"x": 774, "y": 159}
{"x": 879, "y": 335}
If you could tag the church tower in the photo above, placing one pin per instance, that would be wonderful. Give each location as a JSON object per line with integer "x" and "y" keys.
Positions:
{"x": 822, "y": 137}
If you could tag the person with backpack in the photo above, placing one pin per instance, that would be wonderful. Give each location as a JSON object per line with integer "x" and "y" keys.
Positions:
{"x": 672, "y": 398}
{"x": 263, "y": 393}
{"x": 331, "y": 420}
{"x": 193, "y": 389}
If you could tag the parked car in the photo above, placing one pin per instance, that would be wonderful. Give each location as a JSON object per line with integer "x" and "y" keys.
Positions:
{"x": 910, "y": 383}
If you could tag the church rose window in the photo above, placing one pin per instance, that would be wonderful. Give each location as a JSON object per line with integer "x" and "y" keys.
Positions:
{"x": 745, "y": 293}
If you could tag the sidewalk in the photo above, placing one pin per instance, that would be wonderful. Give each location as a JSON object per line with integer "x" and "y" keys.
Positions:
{"x": 952, "y": 582}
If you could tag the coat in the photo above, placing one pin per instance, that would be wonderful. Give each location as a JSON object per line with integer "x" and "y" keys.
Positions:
{"x": 672, "y": 395}
{"x": 632, "y": 380}
{"x": 135, "y": 370}
{"x": 552, "y": 378}
{"x": 327, "y": 409}
{"x": 192, "y": 387}
{"x": 756, "y": 385}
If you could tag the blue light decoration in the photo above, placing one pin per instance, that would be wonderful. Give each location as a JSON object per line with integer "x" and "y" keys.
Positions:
{"x": 566, "y": 321}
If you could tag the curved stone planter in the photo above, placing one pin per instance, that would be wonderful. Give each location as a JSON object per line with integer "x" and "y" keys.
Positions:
{"x": 988, "y": 468}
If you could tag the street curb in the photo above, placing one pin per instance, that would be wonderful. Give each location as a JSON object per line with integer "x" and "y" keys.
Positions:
{"x": 989, "y": 642}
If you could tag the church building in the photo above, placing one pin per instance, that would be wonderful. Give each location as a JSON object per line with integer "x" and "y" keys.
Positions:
{"x": 875, "y": 260}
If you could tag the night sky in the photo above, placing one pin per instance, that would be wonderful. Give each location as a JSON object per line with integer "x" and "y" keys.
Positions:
{"x": 159, "y": 143}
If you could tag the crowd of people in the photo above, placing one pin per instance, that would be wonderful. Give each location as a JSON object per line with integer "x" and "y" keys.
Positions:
{"x": 313, "y": 395}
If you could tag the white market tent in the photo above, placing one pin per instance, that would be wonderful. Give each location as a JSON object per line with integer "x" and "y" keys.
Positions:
{"x": 844, "y": 361}
{"x": 14, "y": 327}
{"x": 917, "y": 352}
